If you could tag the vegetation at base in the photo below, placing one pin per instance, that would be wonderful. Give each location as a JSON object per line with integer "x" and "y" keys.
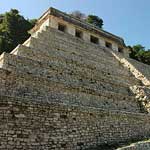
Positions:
{"x": 139, "y": 53}
{"x": 13, "y": 30}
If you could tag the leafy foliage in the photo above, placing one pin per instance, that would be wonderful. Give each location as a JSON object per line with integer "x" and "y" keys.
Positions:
{"x": 13, "y": 30}
{"x": 95, "y": 20}
{"x": 92, "y": 19}
{"x": 139, "y": 53}
{"x": 32, "y": 22}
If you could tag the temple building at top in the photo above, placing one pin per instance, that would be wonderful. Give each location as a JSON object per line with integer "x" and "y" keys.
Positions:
{"x": 81, "y": 29}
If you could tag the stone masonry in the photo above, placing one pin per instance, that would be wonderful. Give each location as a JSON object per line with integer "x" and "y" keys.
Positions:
{"x": 72, "y": 86}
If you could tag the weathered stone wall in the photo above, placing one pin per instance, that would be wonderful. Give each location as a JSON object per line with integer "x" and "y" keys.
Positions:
{"x": 41, "y": 126}
{"x": 62, "y": 46}
{"x": 73, "y": 70}
{"x": 141, "y": 72}
{"x": 42, "y": 89}
{"x": 80, "y": 78}
{"x": 63, "y": 93}
{"x": 144, "y": 69}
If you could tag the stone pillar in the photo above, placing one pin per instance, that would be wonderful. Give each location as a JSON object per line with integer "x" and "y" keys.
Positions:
{"x": 53, "y": 23}
{"x": 114, "y": 46}
{"x": 71, "y": 30}
{"x": 101, "y": 42}
{"x": 86, "y": 36}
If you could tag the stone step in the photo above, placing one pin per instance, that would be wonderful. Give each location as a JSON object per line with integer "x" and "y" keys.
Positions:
{"x": 54, "y": 34}
{"x": 90, "y": 71}
{"x": 141, "y": 72}
{"x": 141, "y": 67}
{"x": 143, "y": 94}
{"x": 48, "y": 50}
{"x": 56, "y": 41}
{"x": 52, "y": 71}
{"x": 53, "y": 55}
{"x": 28, "y": 86}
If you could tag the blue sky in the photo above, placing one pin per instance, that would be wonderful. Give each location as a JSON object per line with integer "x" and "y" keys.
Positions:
{"x": 129, "y": 19}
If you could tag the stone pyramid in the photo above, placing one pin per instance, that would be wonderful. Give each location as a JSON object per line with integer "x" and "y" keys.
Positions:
{"x": 61, "y": 92}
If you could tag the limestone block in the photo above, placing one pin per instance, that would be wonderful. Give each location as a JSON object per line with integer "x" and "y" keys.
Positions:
{"x": 86, "y": 37}
{"x": 53, "y": 23}
{"x": 102, "y": 42}
{"x": 114, "y": 46}
{"x": 41, "y": 129}
{"x": 71, "y": 30}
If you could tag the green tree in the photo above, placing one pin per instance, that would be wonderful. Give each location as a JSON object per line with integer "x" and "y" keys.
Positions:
{"x": 144, "y": 56}
{"x": 33, "y": 22}
{"x": 1, "y": 18}
{"x": 92, "y": 19}
{"x": 13, "y": 30}
{"x": 139, "y": 53}
{"x": 135, "y": 50}
{"x": 95, "y": 20}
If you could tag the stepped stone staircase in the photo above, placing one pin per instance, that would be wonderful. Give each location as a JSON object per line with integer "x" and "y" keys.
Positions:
{"x": 60, "y": 92}
{"x": 67, "y": 73}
